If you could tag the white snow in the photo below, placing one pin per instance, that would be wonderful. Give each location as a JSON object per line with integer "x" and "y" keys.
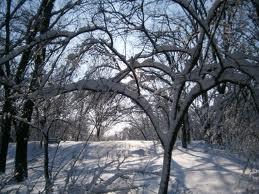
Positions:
{"x": 112, "y": 165}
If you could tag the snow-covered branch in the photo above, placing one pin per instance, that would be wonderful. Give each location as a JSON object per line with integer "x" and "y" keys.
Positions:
{"x": 106, "y": 85}
{"x": 49, "y": 35}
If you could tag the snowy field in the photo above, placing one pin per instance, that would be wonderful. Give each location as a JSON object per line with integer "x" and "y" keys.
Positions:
{"x": 130, "y": 167}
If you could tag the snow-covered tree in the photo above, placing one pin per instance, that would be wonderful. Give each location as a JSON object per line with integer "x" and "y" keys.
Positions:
{"x": 181, "y": 55}
{"x": 35, "y": 36}
{"x": 160, "y": 54}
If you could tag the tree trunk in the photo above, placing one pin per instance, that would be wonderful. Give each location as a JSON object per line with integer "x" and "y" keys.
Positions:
{"x": 189, "y": 136}
{"x": 5, "y": 130}
{"x": 6, "y": 121}
{"x": 184, "y": 137}
{"x": 22, "y": 135}
{"x": 21, "y": 155}
{"x": 4, "y": 141}
{"x": 23, "y": 129}
{"x": 163, "y": 187}
{"x": 46, "y": 165}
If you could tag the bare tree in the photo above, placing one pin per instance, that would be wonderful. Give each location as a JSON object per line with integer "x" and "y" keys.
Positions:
{"x": 175, "y": 57}
{"x": 176, "y": 64}
{"x": 28, "y": 61}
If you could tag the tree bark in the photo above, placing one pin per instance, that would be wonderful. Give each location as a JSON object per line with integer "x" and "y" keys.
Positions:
{"x": 46, "y": 165}
{"x": 6, "y": 119}
{"x": 163, "y": 187}
{"x": 21, "y": 155}
{"x": 184, "y": 137}
{"x": 5, "y": 135}
{"x": 22, "y": 135}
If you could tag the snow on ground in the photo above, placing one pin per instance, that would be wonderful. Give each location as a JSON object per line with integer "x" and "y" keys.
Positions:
{"x": 131, "y": 167}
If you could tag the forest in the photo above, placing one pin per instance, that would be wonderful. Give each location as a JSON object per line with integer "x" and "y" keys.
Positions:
{"x": 90, "y": 90}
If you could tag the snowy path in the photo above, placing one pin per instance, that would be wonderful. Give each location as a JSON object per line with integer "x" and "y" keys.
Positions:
{"x": 211, "y": 172}
{"x": 199, "y": 169}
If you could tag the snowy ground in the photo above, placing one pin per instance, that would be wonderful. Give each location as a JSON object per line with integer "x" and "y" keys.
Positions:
{"x": 111, "y": 166}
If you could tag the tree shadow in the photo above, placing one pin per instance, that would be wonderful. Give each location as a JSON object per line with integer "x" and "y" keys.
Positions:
{"x": 142, "y": 163}
{"x": 222, "y": 172}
